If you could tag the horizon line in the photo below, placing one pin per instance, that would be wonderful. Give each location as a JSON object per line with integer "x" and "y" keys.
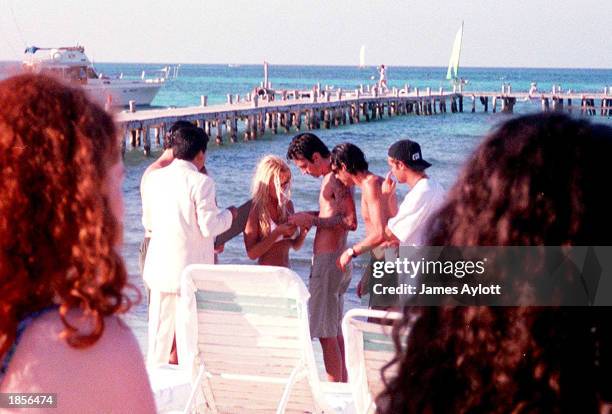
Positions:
{"x": 336, "y": 65}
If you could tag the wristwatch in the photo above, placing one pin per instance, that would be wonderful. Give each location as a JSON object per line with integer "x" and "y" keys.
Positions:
{"x": 351, "y": 252}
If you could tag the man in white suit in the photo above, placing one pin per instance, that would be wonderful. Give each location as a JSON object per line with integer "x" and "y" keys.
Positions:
{"x": 185, "y": 220}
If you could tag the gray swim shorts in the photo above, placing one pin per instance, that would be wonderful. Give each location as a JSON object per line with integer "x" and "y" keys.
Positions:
{"x": 368, "y": 280}
{"x": 327, "y": 285}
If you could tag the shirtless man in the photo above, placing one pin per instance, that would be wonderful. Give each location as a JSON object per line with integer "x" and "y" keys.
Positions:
{"x": 351, "y": 168}
{"x": 335, "y": 218}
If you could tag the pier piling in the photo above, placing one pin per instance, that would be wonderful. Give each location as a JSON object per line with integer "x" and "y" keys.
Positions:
{"x": 146, "y": 142}
{"x": 219, "y": 137}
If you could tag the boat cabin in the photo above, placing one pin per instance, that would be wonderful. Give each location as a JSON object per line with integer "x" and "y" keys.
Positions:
{"x": 69, "y": 63}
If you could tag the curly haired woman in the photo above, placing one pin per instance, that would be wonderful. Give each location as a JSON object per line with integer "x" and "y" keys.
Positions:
{"x": 61, "y": 276}
{"x": 538, "y": 180}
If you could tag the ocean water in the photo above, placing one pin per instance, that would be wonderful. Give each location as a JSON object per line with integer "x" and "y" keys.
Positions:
{"x": 446, "y": 140}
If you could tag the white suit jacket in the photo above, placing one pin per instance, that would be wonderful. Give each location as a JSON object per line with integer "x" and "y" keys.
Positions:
{"x": 184, "y": 220}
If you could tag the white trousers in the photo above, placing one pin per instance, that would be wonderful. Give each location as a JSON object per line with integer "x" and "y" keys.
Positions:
{"x": 162, "y": 325}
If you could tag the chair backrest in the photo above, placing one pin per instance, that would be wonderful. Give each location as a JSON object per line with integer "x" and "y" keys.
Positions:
{"x": 252, "y": 337}
{"x": 369, "y": 347}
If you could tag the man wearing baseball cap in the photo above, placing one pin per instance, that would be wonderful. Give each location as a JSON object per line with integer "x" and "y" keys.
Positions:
{"x": 425, "y": 197}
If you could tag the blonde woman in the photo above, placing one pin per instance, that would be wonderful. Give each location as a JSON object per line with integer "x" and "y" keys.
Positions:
{"x": 267, "y": 236}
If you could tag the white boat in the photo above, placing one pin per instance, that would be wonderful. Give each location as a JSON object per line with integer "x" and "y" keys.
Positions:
{"x": 362, "y": 57}
{"x": 72, "y": 65}
{"x": 453, "y": 64}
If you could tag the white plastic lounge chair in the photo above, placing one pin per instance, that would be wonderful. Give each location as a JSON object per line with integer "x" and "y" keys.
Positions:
{"x": 244, "y": 330}
{"x": 368, "y": 348}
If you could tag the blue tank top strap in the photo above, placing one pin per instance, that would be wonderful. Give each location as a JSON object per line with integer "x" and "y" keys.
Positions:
{"x": 23, "y": 325}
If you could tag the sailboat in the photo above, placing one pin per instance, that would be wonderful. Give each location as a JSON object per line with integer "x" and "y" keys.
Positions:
{"x": 453, "y": 64}
{"x": 362, "y": 57}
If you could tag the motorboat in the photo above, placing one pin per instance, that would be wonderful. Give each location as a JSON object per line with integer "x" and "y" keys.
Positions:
{"x": 72, "y": 65}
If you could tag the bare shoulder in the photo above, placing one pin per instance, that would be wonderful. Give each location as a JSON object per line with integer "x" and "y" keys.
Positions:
{"x": 372, "y": 185}
{"x": 253, "y": 217}
{"x": 328, "y": 179}
{"x": 339, "y": 190}
{"x": 252, "y": 224}
{"x": 109, "y": 375}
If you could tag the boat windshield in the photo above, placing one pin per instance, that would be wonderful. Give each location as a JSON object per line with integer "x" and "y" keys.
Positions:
{"x": 76, "y": 74}
{"x": 91, "y": 73}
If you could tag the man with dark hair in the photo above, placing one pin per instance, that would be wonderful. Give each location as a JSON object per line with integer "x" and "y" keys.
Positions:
{"x": 424, "y": 198}
{"x": 350, "y": 167}
{"x": 184, "y": 222}
{"x": 305, "y": 146}
{"x": 188, "y": 143}
{"x": 335, "y": 218}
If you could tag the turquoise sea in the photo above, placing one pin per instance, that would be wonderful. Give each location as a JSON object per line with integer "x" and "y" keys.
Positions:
{"x": 446, "y": 140}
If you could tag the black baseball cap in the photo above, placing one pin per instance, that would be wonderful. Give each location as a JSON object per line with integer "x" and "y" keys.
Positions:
{"x": 408, "y": 152}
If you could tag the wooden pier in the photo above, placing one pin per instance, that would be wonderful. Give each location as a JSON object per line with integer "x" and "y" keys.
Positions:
{"x": 327, "y": 108}
{"x": 572, "y": 102}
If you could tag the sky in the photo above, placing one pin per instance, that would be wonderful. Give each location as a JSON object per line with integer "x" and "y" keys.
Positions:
{"x": 497, "y": 33}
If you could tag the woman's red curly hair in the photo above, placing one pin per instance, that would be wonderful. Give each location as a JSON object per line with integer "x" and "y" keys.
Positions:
{"x": 58, "y": 235}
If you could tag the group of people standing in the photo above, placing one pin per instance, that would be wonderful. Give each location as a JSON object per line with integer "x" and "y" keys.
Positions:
{"x": 536, "y": 180}
{"x": 181, "y": 219}
{"x": 341, "y": 169}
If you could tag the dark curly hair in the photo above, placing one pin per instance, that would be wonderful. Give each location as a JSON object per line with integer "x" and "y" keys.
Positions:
{"x": 536, "y": 180}
{"x": 349, "y": 156}
{"x": 305, "y": 145}
{"x": 58, "y": 234}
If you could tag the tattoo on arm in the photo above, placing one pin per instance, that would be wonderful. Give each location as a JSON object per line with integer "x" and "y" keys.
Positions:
{"x": 328, "y": 222}
{"x": 346, "y": 206}
{"x": 342, "y": 217}
{"x": 341, "y": 192}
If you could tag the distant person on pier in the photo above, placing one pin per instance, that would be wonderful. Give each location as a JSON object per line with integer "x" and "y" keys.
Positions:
{"x": 268, "y": 235}
{"x": 64, "y": 284}
{"x": 533, "y": 89}
{"x": 407, "y": 224}
{"x": 351, "y": 168}
{"x": 382, "y": 80}
{"x": 535, "y": 181}
{"x": 335, "y": 218}
{"x": 184, "y": 222}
